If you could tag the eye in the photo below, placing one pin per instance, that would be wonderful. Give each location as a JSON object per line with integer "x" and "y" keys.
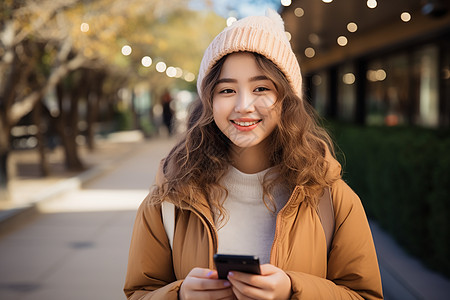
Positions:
{"x": 226, "y": 91}
{"x": 261, "y": 89}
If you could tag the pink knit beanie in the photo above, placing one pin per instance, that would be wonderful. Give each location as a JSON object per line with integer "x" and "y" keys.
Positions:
{"x": 261, "y": 34}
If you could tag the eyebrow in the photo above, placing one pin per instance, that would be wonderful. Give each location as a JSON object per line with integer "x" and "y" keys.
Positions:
{"x": 254, "y": 78}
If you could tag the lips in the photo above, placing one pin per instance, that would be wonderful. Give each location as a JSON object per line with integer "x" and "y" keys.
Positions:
{"x": 245, "y": 125}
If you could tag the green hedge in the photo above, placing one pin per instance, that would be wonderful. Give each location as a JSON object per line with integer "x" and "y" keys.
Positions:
{"x": 403, "y": 178}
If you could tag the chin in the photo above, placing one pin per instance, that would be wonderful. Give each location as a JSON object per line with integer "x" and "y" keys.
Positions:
{"x": 245, "y": 142}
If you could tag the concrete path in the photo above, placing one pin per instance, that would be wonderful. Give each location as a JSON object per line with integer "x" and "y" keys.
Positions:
{"x": 77, "y": 246}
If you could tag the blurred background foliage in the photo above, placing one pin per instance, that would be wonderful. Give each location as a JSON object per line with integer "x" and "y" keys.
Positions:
{"x": 63, "y": 71}
{"x": 401, "y": 175}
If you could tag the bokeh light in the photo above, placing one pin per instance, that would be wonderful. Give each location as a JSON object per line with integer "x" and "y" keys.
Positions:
{"x": 299, "y": 12}
{"x": 161, "y": 66}
{"x": 84, "y": 27}
{"x": 146, "y": 61}
{"x": 179, "y": 72}
{"x": 231, "y": 20}
{"x": 405, "y": 16}
{"x": 189, "y": 77}
{"x": 171, "y": 72}
{"x": 372, "y": 3}
{"x": 310, "y": 52}
{"x": 342, "y": 41}
{"x": 348, "y": 78}
{"x": 288, "y": 35}
{"x": 352, "y": 27}
{"x": 126, "y": 50}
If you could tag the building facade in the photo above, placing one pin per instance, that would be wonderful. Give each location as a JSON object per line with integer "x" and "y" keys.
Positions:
{"x": 387, "y": 64}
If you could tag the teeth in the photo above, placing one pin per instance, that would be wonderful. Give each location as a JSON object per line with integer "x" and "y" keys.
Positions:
{"x": 245, "y": 124}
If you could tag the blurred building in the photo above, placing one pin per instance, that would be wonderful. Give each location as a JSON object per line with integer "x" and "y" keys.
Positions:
{"x": 374, "y": 63}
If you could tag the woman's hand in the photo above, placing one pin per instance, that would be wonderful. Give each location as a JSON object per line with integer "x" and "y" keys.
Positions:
{"x": 204, "y": 284}
{"x": 273, "y": 283}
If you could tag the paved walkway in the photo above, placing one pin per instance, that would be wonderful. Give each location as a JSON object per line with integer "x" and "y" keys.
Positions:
{"x": 68, "y": 237}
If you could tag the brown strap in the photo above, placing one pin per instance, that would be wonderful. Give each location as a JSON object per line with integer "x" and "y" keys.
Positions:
{"x": 326, "y": 215}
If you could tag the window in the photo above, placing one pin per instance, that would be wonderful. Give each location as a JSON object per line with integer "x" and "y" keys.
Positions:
{"x": 320, "y": 92}
{"x": 426, "y": 86}
{"x": 346, "y": 98}
{"x": 387, "y": 91}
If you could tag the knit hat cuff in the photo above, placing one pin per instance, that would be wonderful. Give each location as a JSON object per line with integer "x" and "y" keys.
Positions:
{"x": 262, "y": 35}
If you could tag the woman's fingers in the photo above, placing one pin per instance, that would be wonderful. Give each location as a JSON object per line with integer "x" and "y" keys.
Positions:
{"x": 272, "y": 284}
{"x": 224, "y": 294}
{"x": 203, "y": 284}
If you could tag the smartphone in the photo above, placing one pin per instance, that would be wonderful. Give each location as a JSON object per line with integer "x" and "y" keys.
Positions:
{"x": 241, "y": 263}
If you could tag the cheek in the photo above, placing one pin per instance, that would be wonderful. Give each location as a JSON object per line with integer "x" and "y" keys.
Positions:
{"x": 267, "y": 100}
{"x": 267, "y": 107}
{"x": 221, "y": 108}
{"x": 220, "y": 112}
{"x": 273, "y": 114}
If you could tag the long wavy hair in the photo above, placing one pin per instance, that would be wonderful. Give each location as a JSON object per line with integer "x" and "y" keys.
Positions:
{"x": 202, "y": 157}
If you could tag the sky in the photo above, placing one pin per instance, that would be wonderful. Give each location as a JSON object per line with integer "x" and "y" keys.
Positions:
{"x": 238, "y": 8}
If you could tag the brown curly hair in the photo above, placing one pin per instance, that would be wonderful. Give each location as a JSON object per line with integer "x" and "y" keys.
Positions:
{"x": 203, "y": 155}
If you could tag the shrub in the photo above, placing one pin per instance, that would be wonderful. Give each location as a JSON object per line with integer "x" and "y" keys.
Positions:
{"x": 403, "y": 178}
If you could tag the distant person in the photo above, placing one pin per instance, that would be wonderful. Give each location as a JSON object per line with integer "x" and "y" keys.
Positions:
{"x": 167, "y": 114}
{"x": 253, "y": 174}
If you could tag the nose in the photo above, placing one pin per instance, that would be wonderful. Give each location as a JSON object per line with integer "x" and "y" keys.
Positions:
{"x": 245, "y": 103}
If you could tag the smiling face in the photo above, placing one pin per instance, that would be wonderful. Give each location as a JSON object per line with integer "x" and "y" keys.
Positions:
{"x": 244, "y": 100}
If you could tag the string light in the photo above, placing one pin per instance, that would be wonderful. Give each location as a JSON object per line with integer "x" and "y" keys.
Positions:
{"x": 405, "y": 16}
{"x": 189, "y": 77}
{"x": 342, "y": 41}
{"x": 372, "y": 3}
{"x": 84, "y": 27}
{"x": 352, "y": 27}
{"x": 171, "y": 72}
{"x": 230, "y": 21}
{"x": 126, "y": 50}
{"x": 348, "y": 78}
{"x": 288, "y": 35}
{"x": 299, "y": 12}
{"x": 146, "y": 61}
{"x": 310, "y": 52}
{"x": 161, "y": 67}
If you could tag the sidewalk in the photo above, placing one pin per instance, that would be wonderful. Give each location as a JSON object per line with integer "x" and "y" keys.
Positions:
{"x": 74, "y": 243}
{"x": 26, "y": 191}
{"x": 403, "y": 276}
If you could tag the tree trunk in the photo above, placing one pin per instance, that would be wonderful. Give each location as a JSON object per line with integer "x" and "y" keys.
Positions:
{"x": 92, "y": 111}
{"x": 73, "y": 158}
{"x": 37, "y": 119}
{"x": 8, "y": 89}
{"x": 4, "y": 151}
{"x": 67, "y": 126}
{"x": 4, "y": 175}
{"x": 94, "y": 95}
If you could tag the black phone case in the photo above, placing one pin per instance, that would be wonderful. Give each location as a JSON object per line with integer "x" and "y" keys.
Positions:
{"x": 241, "y": 263}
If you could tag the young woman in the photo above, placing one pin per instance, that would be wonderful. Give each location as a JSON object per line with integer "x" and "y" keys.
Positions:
{"x": 246, "y": 179}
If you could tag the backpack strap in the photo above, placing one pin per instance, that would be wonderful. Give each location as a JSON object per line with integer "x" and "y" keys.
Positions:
{"x": 168, "y": 218}
{"x": 167, "y": 208}
{"x": 326, "y": 215}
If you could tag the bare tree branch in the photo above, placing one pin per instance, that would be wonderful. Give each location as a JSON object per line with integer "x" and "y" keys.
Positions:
{"x": 21, "y": 108}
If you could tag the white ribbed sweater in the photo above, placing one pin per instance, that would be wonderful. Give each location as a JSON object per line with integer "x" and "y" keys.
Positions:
{"x": 251, "y": 226}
